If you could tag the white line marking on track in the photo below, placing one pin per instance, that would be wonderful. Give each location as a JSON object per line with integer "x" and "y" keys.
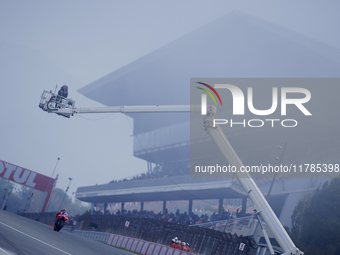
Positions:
{"x": 35, "y": 239}
{"x": 4, "y": 251}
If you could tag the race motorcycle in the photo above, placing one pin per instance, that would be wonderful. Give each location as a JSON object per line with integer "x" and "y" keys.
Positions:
{"x": 60, "y": 221}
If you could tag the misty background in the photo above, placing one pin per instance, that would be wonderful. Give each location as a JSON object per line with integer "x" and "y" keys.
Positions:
{"x": 75, "y": 43}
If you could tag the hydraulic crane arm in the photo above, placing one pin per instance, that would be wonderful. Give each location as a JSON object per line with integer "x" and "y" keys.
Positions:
{"x": 53, "y": 103}
{"x": 134, "y": 109}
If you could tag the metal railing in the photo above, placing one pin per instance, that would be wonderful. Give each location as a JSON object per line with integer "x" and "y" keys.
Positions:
{"x": 203, "y": 241}
{"x": 228, "y": 225}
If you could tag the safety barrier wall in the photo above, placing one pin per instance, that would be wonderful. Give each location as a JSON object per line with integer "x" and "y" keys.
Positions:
{"x": 96, "y": 236}
{"x": 143, "y": 247}
{"x": 131, "y": 244}
{"x": 46, "y": 217}
{"x": 203, "y": 241}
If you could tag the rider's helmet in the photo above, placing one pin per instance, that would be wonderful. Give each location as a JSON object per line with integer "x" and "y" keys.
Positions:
{"x": 187, "y": 244}
{"x": 183, "y": 243}
{"x": 63, "y": 211}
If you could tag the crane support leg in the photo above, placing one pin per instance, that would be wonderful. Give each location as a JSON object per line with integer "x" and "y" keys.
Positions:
{"x": 260, "y": 203}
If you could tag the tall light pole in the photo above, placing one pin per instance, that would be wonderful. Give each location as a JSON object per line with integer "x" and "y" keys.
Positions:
{"x": 3, "y": 200}
{"x": 271, "y": 185}
{"x": 48, "y": 185}
{"x": 4, "y": 207}
{"x": 54, "y": 170}
{"x": 29, "y": 198}
{"x": 65, "y": 192}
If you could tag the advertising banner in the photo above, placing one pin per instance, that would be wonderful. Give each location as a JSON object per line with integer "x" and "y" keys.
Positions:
{"x": 27, "y": 178}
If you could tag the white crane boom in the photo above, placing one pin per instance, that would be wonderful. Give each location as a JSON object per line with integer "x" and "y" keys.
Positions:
{"x": 51, "y": 102}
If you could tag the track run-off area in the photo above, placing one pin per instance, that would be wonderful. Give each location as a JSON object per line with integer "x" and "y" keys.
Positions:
{"x": 21, "y": 236}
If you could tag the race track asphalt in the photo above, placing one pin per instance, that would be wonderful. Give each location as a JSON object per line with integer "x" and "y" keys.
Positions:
{"x": 21, "y": 236}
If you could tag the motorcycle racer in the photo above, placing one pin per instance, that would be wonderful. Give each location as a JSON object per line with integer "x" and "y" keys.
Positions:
{"x": 62, "y": 215}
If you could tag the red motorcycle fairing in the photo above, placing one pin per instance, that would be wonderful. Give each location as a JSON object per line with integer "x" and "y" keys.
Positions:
{"x": 61, "y": 219}
{"x": 63, "y": 215}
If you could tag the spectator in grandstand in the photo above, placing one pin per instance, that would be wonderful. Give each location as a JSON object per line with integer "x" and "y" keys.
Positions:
{"x": 162, "y": 171}
{"x": 240, "y": 213}
{"x": 181, "y": 218}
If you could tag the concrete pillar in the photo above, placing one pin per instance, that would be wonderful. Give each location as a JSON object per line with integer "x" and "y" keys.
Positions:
{"x": 190, "y": 207}
{"x": 122, "y": 207}
{"x": 164, "y": 207}
{"x": 244, "y": 206}
{"x": 92, "y": 208}
{"x": 220, "y": 206}
{"x": 142, "y": 206}
{"x": 149, "y": 167}
{"x": 105, "y": 206}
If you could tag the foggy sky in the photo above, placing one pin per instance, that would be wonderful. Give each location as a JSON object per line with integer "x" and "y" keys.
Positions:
{"x": 77, "y": 42}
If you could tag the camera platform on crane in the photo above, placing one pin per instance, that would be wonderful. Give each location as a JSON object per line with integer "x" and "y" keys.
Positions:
{"x": 52, "y": 102}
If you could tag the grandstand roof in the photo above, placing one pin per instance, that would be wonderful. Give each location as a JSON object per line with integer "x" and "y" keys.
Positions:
{"x": 236, "y": 45}
{"x": 164, "y": 189}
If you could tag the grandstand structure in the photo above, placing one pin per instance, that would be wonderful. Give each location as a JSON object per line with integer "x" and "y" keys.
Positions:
{"x": 236, "y": 45}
